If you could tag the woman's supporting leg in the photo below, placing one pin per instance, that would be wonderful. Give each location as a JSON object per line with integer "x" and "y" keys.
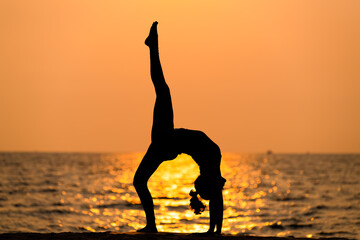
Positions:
{"x": 147, "y": 167}
{"x": 163, "y": 119}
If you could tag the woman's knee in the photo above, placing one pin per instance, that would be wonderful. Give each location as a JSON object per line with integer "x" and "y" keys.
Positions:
{"x": 139, "y": 181}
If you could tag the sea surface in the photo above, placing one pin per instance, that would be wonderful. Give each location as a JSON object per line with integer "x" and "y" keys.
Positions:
{"x": 300, "y": 195}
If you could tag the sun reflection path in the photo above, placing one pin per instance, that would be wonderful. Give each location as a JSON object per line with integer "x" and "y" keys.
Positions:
{"x": 170, "y": 185}
{"x": 265, "y": 194}
{"x": 115, "y": 205}
{"x": 244, "y": 193}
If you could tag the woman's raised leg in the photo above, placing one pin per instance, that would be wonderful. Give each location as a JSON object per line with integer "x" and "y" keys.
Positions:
{"x": 163, "y": 118}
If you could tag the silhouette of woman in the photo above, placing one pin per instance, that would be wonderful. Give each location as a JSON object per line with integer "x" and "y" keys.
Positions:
{"x": 167, "y": 143}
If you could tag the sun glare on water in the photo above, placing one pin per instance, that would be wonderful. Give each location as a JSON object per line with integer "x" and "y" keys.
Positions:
{"x": 170, "y": 186}
{"x": 265, "y": 195}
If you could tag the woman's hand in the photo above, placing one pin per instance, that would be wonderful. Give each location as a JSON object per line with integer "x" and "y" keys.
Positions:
{"x": 216, "y": 207}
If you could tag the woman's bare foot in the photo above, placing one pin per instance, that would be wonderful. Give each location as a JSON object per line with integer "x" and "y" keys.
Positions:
{"x": 152, "y": 40}
{"x": 148, "y": 229}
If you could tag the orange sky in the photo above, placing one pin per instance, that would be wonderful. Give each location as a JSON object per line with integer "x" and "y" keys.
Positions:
{"x": 254, "y": 75}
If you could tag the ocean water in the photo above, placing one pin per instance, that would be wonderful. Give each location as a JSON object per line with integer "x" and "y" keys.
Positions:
{"x": 300, "y": 195}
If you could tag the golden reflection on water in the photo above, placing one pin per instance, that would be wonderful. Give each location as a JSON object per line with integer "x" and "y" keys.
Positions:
{"x": 277, "y": 194}
{"x": 245, "y": 197}
{"x": 170, "y": 186}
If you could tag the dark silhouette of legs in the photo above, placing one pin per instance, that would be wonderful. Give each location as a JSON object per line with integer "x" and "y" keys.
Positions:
{"x": 146, "y": 168}
{"x": 163, "y": 119}
{"x": 162, "y": 130}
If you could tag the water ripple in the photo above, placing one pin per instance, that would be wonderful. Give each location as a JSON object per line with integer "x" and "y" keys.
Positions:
{"x": 267, "y": 195}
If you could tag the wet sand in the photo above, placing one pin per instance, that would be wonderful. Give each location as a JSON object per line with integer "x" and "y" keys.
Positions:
{"x": 136, "y": 236}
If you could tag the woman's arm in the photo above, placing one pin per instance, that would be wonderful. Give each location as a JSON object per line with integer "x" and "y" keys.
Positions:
{"x": 216, "y": 206}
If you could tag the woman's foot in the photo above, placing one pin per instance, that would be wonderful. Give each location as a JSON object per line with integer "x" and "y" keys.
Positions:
{"x": 152, "y": 40}
{"x": 148, "y": 229}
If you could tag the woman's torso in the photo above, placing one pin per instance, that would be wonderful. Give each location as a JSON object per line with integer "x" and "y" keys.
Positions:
{"x": 199, "y": 146}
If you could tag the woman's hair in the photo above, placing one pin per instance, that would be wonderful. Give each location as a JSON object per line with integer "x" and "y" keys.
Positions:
{"x": 205, "y": 187}
{"x": 195, "y": 204}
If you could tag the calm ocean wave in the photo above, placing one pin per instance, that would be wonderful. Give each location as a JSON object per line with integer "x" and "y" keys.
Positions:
{"x": 299, "y": 195}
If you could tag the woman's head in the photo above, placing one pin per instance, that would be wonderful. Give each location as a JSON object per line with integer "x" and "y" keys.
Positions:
{"x": 207, "y": 186}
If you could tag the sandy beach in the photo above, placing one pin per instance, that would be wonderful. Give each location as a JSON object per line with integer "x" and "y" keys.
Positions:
{"x": 135, "y": 236}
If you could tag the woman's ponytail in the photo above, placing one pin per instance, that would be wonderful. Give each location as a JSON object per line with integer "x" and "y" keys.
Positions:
{"x": 195, "y": 204}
